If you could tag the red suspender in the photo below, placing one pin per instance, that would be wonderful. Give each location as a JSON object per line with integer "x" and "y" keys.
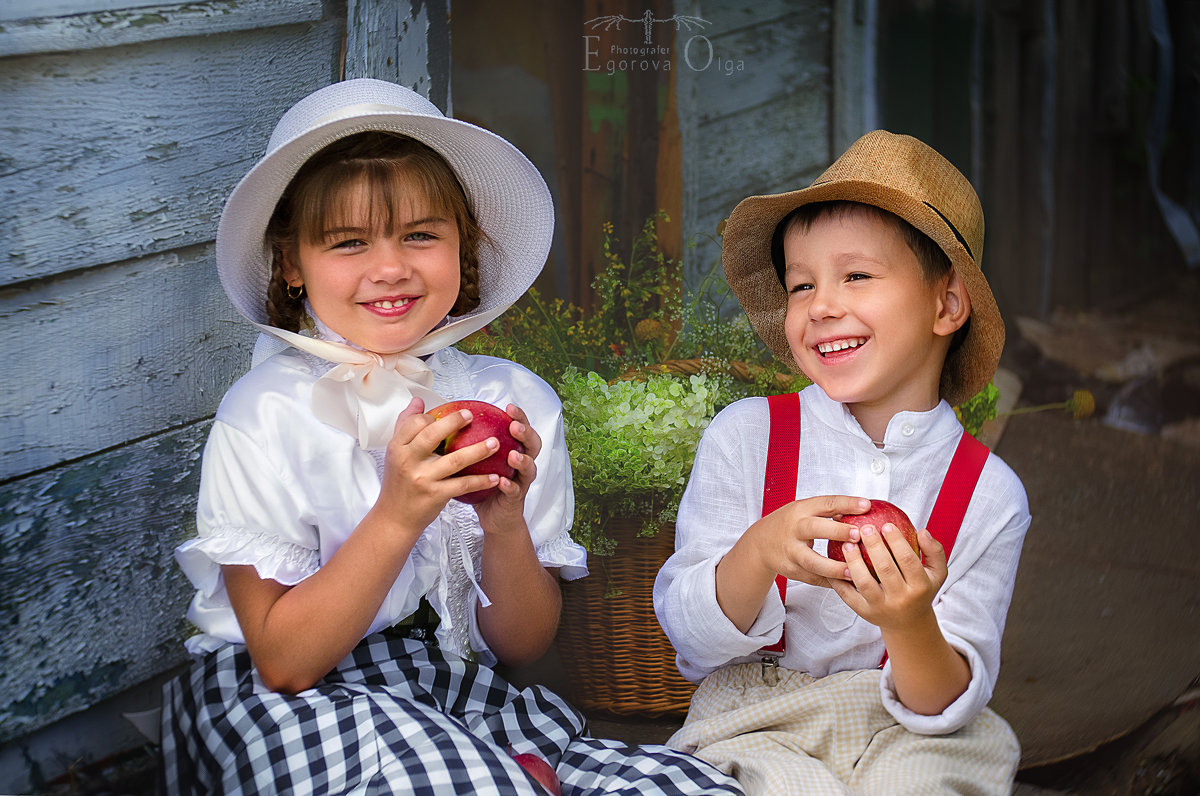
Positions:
{"x": 957, "y": 488}
{"x": 783, "y": 461}
{"x": 783, "y": 465}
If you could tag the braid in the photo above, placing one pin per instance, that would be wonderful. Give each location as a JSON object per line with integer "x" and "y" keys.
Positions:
{"x": 468, "y": 290}
{"x": 283, "y": 311}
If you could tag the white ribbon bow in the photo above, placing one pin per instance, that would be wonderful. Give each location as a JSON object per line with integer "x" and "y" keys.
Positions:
{"x": 366, "y": 392}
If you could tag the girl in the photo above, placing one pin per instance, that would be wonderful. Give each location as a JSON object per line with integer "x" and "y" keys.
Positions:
{"x": 373, "y": 235}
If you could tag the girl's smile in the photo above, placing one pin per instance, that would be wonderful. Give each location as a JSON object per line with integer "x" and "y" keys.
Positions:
{"x": 391, "y": 307}
{"x": 382, "y": 287}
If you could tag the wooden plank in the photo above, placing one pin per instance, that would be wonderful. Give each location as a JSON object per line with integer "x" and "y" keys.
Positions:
{"x": 763, "y": 148}
{"x": 668, "y": 178}
{"x": 403, "y": 42}
{"x": 118, "y": 153}
{"x": 121, "y": 353}
{"x": 563, "y": 68}
{"x": 1081, "y": 161}
{"x": 28, "y": 9}
{"x": 1010, "y": 267}
{"x": 742, "y": 14}
{"x": 762, "y": 128}
{"x": 90, "y": 598}
{"x": 109, "y": 23}
{"x": 852, "y": 65}
{"x": 759, "y": 67}
{"x": 789, "y": 152}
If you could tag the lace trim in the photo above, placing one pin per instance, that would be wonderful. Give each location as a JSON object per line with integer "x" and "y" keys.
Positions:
{"x": 562, "y": 549}
{"x": 266, "y": 552}
{"x": 564, "y": 553}
{"x": 458, "y": 585}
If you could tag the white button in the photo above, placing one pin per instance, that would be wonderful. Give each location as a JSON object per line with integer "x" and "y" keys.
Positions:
{"x": 907, "y": 429}
{"x": 877, "y": 466}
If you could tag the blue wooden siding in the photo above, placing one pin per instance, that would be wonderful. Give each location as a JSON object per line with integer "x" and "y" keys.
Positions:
{"x": 122, "y": 134}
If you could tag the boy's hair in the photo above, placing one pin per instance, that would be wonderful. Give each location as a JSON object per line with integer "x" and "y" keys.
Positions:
{"x": 935, "y": 263}
{"x": 393, "y": 168}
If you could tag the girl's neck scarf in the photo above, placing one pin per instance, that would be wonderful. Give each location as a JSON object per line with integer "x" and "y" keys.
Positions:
{"x": 365, "y": 393}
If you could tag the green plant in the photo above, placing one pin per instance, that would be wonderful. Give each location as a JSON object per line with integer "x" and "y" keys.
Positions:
{"x": 632, "y": 443}
{"x": 640, "y": 377}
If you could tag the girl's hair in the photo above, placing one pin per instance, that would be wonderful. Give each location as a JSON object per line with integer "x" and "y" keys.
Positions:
{"x": 392, "y": 168}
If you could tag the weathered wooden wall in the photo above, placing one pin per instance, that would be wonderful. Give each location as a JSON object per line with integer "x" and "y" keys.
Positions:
{"x": 1070, "y": 90}
{"x": 123, "y": 132}
{"x": 686, "y": 116}
{"x": 1048, "y": 106}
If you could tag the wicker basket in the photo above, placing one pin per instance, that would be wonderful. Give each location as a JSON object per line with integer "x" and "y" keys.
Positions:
{"x": 618, "y": 659}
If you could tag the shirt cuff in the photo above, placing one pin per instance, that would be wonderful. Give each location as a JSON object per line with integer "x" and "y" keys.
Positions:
{"x": 708, "y": 630}
{"x": 957, "y": 714}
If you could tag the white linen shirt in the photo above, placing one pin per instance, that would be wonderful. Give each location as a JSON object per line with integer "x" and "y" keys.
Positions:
{"x": 724, "y": 497}
{"x": 282, "y": 491}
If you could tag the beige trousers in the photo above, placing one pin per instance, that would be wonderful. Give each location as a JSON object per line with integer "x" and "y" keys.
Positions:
{"x": 833, "y": 736}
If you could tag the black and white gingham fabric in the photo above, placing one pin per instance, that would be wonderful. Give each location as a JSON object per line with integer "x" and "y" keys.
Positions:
{"x": 396, "y": 717}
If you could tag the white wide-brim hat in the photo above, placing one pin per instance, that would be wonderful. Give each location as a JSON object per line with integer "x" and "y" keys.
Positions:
{"x": 507, "y": 193}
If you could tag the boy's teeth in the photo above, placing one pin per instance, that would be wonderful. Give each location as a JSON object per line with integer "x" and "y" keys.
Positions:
{"x": 838, "y": 345}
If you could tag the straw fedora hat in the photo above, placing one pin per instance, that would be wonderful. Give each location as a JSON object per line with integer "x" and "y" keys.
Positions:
{"x": 507, "y": 193}
{"x": 906, "y": 177}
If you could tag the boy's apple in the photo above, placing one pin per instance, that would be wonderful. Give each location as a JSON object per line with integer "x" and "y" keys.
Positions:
{"x": 540, "y": 770}
{"x": 880, "y": 512}
{"x": 486, "y": 421}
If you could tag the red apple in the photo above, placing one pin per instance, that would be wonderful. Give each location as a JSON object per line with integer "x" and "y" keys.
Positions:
{"x": 880, "y": 512}
{"x": 540, "y": 770}
{"x": 486, "y": 421}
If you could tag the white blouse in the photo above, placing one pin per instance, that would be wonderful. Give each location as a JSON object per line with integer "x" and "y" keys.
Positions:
{"x": 282, "y": 491}
{"x": 724, "y": 497}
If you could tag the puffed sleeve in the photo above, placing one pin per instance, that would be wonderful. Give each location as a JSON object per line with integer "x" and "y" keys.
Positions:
{"x": 713, "y": 514}
{"x": 550, "y": 508}
{"x": 550, "y": 502}
{"x": 248, "y": 512}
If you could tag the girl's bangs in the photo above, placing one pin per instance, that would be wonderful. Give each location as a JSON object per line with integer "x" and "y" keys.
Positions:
{"x": 373, "y": 194}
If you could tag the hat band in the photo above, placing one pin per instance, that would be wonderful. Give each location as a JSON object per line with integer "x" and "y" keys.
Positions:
{"x": 953, "y": 229}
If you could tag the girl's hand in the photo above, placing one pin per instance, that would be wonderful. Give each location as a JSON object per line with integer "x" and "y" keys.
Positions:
{"x": 418, "y": 482}
{"x": 505, "y": 509}
{"x": 903, "y": 596}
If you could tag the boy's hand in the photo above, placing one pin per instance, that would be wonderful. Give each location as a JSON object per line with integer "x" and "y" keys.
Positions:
{"x": 781, "y": 543}
{"x": 417, "y": 482}
{"x": 904, "y": 593}
{"x": 505, "y": 509}
{"x": 785, "y": 538}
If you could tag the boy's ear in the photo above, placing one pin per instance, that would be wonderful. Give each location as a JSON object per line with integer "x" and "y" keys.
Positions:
{"x": 954, "y": 306}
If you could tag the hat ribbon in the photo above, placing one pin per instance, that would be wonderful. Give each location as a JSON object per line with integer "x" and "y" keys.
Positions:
{"x": 365, "y": 393}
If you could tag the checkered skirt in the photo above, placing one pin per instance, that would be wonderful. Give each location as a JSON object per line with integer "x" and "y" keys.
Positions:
{"x": 396, "y": 716}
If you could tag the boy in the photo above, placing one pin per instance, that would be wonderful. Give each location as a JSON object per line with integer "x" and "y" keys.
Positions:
{"x": 869, "y": 283}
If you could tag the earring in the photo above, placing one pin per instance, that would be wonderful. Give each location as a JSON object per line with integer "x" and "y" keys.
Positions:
{"x": 298, "y": 294}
